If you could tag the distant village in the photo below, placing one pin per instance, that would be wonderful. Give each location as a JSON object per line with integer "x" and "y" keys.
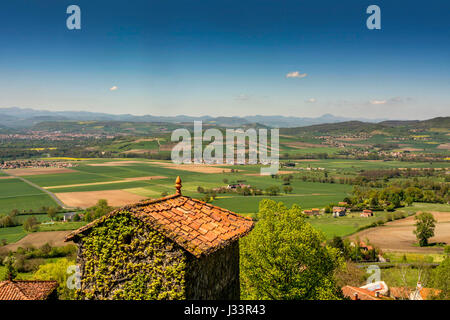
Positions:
{"x": 54, "y": 136}
{"x": 20, "y": 164}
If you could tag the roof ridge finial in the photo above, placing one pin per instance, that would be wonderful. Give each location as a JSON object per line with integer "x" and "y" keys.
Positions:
{"x": 178, "y": 185}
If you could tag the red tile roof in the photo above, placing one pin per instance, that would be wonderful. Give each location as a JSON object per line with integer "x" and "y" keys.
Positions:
{"x": 405, "y": 293}
{"x": 197, "y": 226}
{"x": 26, "y": 290}
{"x": 362, "y": 294}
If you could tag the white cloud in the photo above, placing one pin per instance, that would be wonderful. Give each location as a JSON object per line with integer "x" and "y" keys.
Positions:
{"x": 296, "y": 74}
{"x": 378, "y": 102}
{"x": 113, "y": 88}
{"x": 394, "y": 100}
{"x": 242, "y": 97}
{"x": 311, "y": 100}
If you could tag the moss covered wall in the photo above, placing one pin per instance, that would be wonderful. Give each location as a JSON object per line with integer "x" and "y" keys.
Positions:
{"x": 125, "y": 259}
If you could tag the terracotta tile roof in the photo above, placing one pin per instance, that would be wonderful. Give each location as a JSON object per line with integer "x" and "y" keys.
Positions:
{"x": 407, "y": 293}
{"x": 362, "y": 294}
{"x": 197, "y": 226}
{"x": 400, "y": 292}
{"x": 26, "y": 290}
{"x": 427, "y": 293}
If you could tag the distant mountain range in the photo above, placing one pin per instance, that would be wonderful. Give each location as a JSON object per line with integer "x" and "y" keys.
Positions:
{"x": 24, "y": 117}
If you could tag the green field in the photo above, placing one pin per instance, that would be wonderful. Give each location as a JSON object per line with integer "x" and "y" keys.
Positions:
{"x": 12, "y": 234}
{"x": 356, "y": 165}
{"x": 342, "y": 226}
{"x": 62, "y": 226}
{"x": 249, "y": 204}
{"x": 16, "y": 194}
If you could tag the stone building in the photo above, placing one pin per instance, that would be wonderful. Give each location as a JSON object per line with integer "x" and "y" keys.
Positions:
{"x": 174, "y": 247}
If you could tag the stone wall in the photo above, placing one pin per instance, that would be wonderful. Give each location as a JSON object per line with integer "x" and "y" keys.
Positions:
{"x": 214, "y": 277}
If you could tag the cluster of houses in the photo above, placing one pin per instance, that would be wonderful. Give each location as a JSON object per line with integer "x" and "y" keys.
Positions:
{"x": 232, "y": 187}
{"x": 237, "y": 186}
{"x": 16, "y": 164}
{"x": 338, "y": 211}
{"x": 55, "y": 136}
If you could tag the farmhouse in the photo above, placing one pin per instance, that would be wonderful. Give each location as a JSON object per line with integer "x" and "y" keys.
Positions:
{"x": 28, "y": 290}
{"x": 355, "y": 293}
{"x": 68, "y": 216}
{"x": 339, "y": 211}
{"x": 174, "y": 247}
{"x": 373, "y": 291}
{"x": 367, "y": 213}
{"x": 237, "y": 185}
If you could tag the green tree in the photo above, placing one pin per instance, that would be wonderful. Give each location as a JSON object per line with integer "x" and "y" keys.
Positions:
{"x": 447, "y": 250}
{"x": 200, "y": 189}
{"x": 30, "y": 224}
{"x": 97, "y": 211}
{"x": 284, "y": 257}
{"x": 425, "y": 224}
{"x": 57, "y": 271}
{"x": 11, "y": 271}
{"x": 342, "y": 246}
{"x": 287, "y": 189}
{"x": 272, "y": 191}
{"x": 441, "y": 279}
{"x": 409, "y": 201}
{"x": 51, "y": 212}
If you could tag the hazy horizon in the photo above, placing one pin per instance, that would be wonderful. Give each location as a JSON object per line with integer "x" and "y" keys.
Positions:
{"x": 215, "y": 116}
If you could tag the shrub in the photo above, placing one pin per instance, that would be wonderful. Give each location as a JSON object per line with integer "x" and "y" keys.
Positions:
{"x": 30, "y": 224}
{"x": 8, "y": 221}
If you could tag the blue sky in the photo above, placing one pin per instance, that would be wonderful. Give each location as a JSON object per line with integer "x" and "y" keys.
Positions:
{"x": 227, "y": 57}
